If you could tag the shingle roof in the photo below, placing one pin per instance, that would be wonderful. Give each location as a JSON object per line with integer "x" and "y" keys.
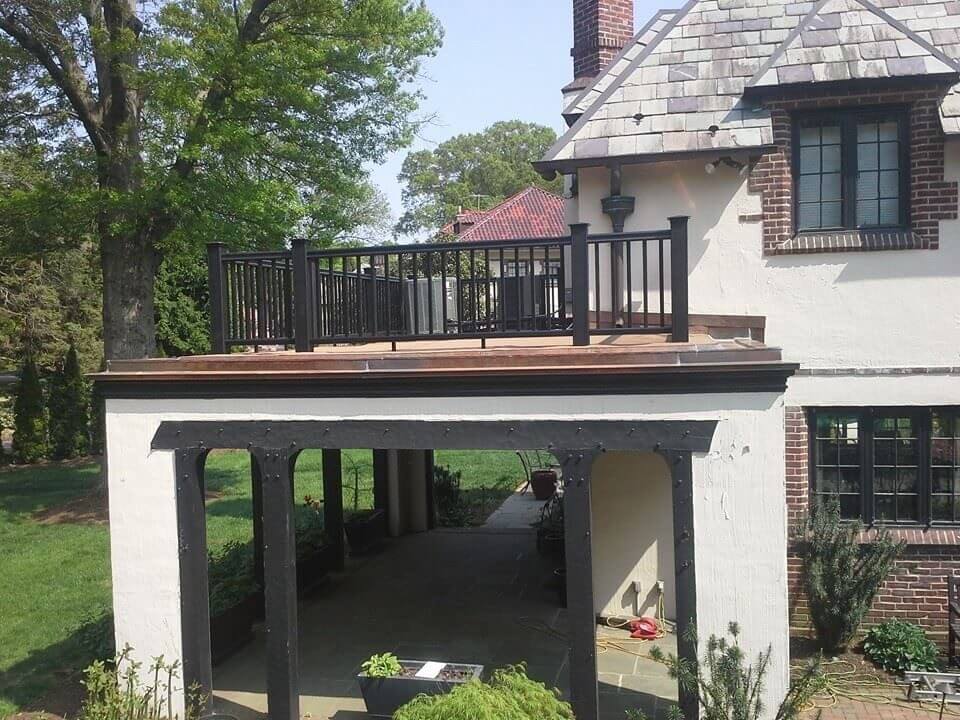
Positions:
{"x": 531, "y": 213}
{"x": 683, "y": 90}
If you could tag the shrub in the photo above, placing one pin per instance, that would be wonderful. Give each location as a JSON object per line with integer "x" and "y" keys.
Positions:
{"x": 95, "y": 637}
{"x": 310, "y": 537}
{"x": 69, "y": 406}
{"x": 115, "y": 691}
{"x": 29, "y": 416}
{"x": 510, "y": 695}
{"x": 231, "y": 577}
{"x": 842, "y": 574}
{"x": 451, "y": 509}
{"x": 730, "y": 689}
{"x": 897, "y": 645}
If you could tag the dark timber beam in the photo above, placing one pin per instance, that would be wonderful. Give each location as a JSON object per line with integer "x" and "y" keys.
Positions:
{"x": 333, "y": 502}
{"x": 428, "y": 463}
{"x": 256, "y": 502}
{"x": 576, "y": 466}
{"x": 194, "y": 590}
{"x": 280, "y": 560}
{"x": 646, "y": 435}
{"x": 684, "y": 554}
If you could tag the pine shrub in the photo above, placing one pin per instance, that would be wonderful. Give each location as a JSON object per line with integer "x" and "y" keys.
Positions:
{"x": 842, "y": 574}
{"x": 69, "y": 406}
{"x": 29, "y": 416}
{"x": 897, "y": 646}
{"x": 510, "y": 695}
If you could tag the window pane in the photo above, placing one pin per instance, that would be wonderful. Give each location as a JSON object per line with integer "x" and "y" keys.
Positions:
{"x": 889, "y": 212}
{"x": 831, "y": 186}
{"x": 885, "y": 507}
{"x": 831, "y": 134}
{"x": 896, "y": 476}
{"x": 868, "y": 185}
{"x": 837, "y": 477}
{"x": 889, "y": 156}
{"x": 809, "y": 160}
{"x": 888, "y": 131}
{"x": 908, "y": 508}
{"x": 809, "y": 136}
{"x": 830, "y": 215}
{"x": 884, "y": 453}
{"x": 809, "y": 216}
{"x": 884, "y": 480}
{"x": 889, "y": 184}
{"x": 945, "y": 466}
{"x": 809, "y": 188}
{"x": 941, "y": 480}
{"x": 819, "y": 188}
{"x": 941, "y": 451}
{"x": 831, "y": 158}
{"x": 867, "y": 157}
{"x": 867, "y": 132}
{"x": 941, "y": 508}
{"x": 868, "y": 212}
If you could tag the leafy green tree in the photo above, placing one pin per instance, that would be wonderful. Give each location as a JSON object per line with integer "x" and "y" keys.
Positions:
{"x": 234, "y": 120}
{"x": 469, "y": 170}
{"x": 69, "y": 409}
{"x": 29, "y": 416}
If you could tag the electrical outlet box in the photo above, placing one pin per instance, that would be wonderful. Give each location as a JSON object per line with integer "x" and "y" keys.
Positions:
{"x": 660, "y": 586}
{"x": 637, "y": 587}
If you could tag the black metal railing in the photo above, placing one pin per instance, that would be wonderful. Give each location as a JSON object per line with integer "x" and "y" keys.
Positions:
{"x": 576, "y": 285}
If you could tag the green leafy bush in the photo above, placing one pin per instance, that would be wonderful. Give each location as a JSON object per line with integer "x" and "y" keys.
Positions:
{"x": 29, "y": 416}
{"x": 382, "y": 666}
{"x": 310, "y": 535}
{"x": 452, "y": 511}
{"x": 841, "y": 573}
{"x": 897, "y": 645}
{"x": 95, "y": 636}
{"x": 231, "y": 576}
{"x": 115, "y": 691}
{"x": 729, "y": 688}
{"x": 69, "y": 410}
{"x": 510, "y": 695}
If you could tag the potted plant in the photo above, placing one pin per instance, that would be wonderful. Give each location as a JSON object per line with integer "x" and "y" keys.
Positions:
{"x": 366, "y": 530}
{"x": 234, "y": 596}
{"x": 550, "y": 536}
{"x": 316, "y": 556}
{"x": 541, "y": 478}
{"x": 387, "y": 683}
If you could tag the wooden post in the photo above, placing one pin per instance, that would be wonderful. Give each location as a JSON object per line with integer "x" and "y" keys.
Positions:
{"x": 302, "y": 305}
{"x": 679, "y": 280}
{"x": 256, "y": 502}
{"x": 580, "y": 610}
{"x": 580, "y": 272}
{"x": 381, "y": 479}
{"x": 194, "y": 583}
{"x": 280, "y": 561}
{"x": 218, "y": 338}
{"x": 684, "y": 557}
{"x": 333, "y": 501}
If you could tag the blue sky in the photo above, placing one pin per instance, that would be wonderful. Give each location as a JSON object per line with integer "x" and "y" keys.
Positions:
{"x": 500, "y": 60}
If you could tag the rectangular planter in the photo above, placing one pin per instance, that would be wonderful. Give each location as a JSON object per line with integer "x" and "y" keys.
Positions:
{"x": 233, "y": 628}
{"x": 366, "y": 531}
{"x": 384, "y": 696}
{"x": 312, "y": 569}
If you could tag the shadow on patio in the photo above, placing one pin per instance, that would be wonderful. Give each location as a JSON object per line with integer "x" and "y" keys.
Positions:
{"x": 478, "y": 596}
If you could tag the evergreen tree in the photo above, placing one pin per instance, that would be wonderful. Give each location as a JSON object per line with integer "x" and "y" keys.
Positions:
{"x": 69, "y": 409}
{"x": 29, "y": 416}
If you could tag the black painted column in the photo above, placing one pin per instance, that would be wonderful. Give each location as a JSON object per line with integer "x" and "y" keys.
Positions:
{"x": 256, "y": 501}
{"x": 684, "y": 555}
{"x": 280, "y": 561}
{"x": 429, "y": 460}
{"x": 194, "y": 585}
{"x": 576, "y": 467}
{"x": 381, "y": 480}
{"x": 333, "y": 501}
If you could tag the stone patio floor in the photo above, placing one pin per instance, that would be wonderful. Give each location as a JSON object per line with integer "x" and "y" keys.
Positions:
{"x": 479, "y": 595}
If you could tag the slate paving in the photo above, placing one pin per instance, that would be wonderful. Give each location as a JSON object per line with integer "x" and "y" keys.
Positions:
{"x": 478, "y": 596}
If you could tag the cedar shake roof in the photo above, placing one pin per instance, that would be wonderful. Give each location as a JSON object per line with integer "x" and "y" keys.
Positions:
{"x": 681, "y": 88}
{"x": 531, "y": 213}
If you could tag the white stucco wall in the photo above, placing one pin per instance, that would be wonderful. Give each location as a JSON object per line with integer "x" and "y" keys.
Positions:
{"x": 632, "y": 534}
{"x": 739, "y": 510}
{"x": 826, "y": 310}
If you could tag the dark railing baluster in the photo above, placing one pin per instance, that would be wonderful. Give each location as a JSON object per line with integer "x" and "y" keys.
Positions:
{"x": 428, "y": 271}
{"x": 218, "y": 338}
{"x": 301, "y": 297}
{"x": 660, "y": 269}
{"x": 679, "y": 274}
{"x": 629, "y": 302}
{"x": 597, "y": 324}
{"x": 579, "y": 265}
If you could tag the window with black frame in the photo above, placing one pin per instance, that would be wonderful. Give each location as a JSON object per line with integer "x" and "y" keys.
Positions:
{"x": 851, "y": 170}
{"x": 887, "y": 465}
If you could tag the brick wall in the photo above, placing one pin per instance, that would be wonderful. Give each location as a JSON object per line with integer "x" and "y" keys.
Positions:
{"x": 917, "y": 588}
{"x": 932, "y": 198}
{"x": 601, "y": 28}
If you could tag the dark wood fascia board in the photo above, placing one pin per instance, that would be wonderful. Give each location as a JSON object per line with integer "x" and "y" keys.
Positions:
{"x": 813, "y": 90}
{"x": 537, "y": 382}
{"x": 552, "y": 435}
{"x": 549, "y": 169}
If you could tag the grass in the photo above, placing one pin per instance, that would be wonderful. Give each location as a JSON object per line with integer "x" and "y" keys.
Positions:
{"x": 56, "y": 576}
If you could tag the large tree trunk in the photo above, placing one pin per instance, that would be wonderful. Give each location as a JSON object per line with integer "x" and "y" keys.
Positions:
{"x": 129, "y": 267}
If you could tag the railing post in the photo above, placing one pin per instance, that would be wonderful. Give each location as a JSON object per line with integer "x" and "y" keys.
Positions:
{"x": 218, "y": 338}
{"x": 580, "y": 271}
{"x": 679, "y": 279}
{"x": 301, "y": 297}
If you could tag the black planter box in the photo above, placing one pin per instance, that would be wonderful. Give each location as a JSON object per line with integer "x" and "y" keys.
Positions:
{"x": 233, "y": 628}
{"x": 383, "y": 696}
{"x": 312, "y": 569}
{"x": 366, "y": 531}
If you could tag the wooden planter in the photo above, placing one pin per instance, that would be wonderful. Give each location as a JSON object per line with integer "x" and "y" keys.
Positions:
{"x": 366, "y": 531}
{"x": 313, "y": 569}
{"x": 544, "y": 483}
{"x": 384, "y": 696}
{"x": 231, "y": 629}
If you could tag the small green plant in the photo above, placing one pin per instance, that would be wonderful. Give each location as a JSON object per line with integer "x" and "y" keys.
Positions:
{"x": 729, "y": 688}
{"x": 29, "y": 416}
{"x": 231, "y": 576}
{"x": 897, "y": 646}
{"x": 510, "y": 695}
{"x": 382, "y": 666}
{"x": 69, "y": 405}
{"x": 310, "y": 534}
{"x": 452, "y": 511}
{"x": 842, "y": 573}
{"x": 115, "y": 691}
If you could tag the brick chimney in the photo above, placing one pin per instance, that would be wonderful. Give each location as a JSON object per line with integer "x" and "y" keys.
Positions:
{"x": 601, "y": 28}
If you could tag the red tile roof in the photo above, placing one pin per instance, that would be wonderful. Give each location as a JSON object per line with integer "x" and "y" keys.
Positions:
{"x": 531, "y": 213}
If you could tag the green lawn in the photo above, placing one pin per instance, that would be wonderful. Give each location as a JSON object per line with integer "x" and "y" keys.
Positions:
{"x": 54, "y": 576}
